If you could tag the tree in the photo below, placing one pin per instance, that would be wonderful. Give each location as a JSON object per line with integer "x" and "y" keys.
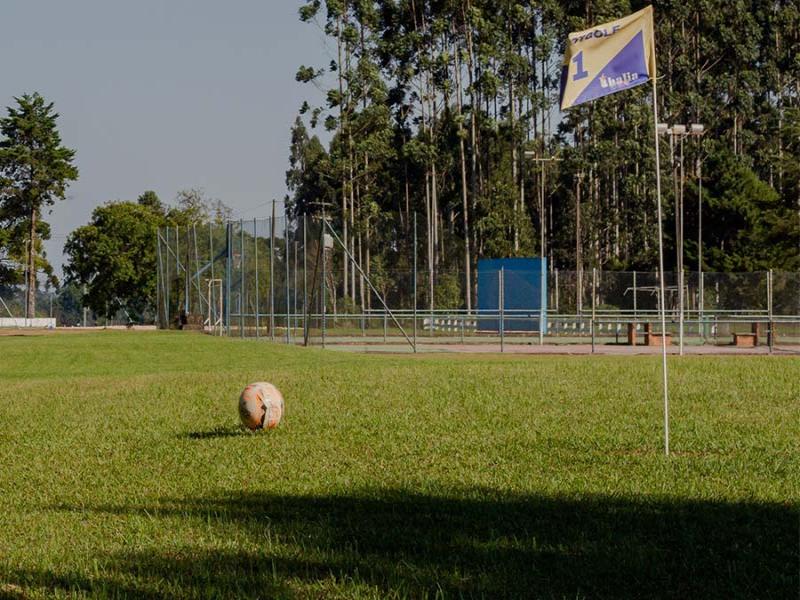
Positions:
{"x": 151, "y": 200}
{"x": 114, "y": 257}
{"x": 35, "y": 170}
{"x": 433, "y": 103}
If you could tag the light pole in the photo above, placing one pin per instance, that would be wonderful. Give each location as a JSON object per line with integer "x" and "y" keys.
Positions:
{"x": 697, "y": 130}
{"x": 680, "y": 132}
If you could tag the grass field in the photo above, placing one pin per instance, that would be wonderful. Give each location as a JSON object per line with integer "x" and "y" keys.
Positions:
{"x": 123, "y": 474}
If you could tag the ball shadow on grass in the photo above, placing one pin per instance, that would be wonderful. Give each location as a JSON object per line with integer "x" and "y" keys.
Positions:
{"x": 221, "y": 431}
{"x": 465, "y": 544}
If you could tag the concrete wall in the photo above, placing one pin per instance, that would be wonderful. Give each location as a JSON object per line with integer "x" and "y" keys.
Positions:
{"x": 32, "y": 323}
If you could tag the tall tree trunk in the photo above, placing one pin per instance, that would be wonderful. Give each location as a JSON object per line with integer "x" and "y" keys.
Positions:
{"x": 464, "y": 198}
{"x": 30, "y": 301}
{"x": 514, "y": 165}
{"x": 342, "y": 124}
{"x": 578, "y": 244}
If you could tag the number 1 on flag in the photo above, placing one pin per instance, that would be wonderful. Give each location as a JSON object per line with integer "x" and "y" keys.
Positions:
{"x": 581, "y": 73}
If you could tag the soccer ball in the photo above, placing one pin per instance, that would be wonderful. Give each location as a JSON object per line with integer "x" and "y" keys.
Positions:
{"x": 260, "y": 406}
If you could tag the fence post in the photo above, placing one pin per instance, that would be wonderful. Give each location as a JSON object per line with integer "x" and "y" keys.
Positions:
{"x": 167, "y": 279}
{"x": 255, "y": 258}
{"x": 771, "y": 332}
{"x": 177, "y": 269}
{"x": 681, "y": 274}
{"x": 294, "y": 287}
{"x": 385, "y": 325}
{"x": 228, "y": 275}
{"x": 242, "y": 300}
{"x": 158, "y": 279}
{"x": 556, "y": 288}
{"x": 187, "y": 305}
{"x": 324, "y": 275}
{"x": 703, "y": 327}
{"x": 272, "y": 274}
{"x": 501, "y": 305}
{"x": 286, "y": 260}
{"x": 635, "y": 299}
{"x": 542, "y": 300}
{"x": 197, "y": 271}
{"x": 305, "y": 280}
{"x": 211, "y": 258}
{"x": 415, "y": 282}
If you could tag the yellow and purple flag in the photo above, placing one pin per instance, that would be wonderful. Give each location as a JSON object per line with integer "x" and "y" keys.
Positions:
{"x": 609, "y": 58}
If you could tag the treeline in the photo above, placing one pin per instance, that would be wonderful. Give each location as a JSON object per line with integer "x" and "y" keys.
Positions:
{"x": 446, "y": 108}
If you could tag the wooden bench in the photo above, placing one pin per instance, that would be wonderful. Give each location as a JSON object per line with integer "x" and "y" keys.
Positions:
{"x": 745, "y": 340}
{"x": 655, "y": 339}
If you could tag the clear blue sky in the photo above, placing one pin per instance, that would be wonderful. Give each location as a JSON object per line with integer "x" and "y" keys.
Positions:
{"x": 164, "y": 95}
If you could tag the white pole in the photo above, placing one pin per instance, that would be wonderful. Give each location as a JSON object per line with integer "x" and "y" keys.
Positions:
{"x": 661, "y": 270}
{"x": 681, "y": 299}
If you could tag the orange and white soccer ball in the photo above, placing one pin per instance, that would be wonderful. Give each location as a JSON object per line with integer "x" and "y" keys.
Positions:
{"x": 261, "y": 406}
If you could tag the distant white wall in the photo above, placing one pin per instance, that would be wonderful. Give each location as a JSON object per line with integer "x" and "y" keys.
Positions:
{"x": 32, "y": 323}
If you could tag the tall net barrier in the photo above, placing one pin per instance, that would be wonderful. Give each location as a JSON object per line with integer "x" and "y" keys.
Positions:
{"x": 305, "y": 281}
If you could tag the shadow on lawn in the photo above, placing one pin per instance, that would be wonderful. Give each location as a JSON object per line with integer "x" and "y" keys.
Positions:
{"x": 474, "y": 543}
{"x": 222, "y": 431}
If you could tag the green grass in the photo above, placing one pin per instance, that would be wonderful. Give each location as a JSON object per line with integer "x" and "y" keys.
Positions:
{"x": 123, "y": 474}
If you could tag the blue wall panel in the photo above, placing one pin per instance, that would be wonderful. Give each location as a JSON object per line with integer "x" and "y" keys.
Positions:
{"x": 525, "y": 293}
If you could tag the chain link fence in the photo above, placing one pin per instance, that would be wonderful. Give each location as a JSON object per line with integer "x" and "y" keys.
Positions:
{"x": 302, "y": 281}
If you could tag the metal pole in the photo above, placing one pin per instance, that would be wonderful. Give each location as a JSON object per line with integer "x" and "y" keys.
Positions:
{"x": 771, "y": 332}
{"x": 680, "y": 322}
{"x": 159, "y": 277}
{"x": 197, "y": 271}
{"x": 501, "y": 306}
{"x": 255, "y": 247}
{"x": 702, "y": 285}
{"x": 163, "y": 288}
{"x": 324, "y": 274}
{"x": 369, "y": 283}
{"x": 286, "y": 260}
{"x": 167, "y": 279}
{"x": 228, "y": 275}
{"x": 556, "y": 286}
{"x": 635, "y": 299}
{"x": 594, "y": 304}
{"x": 305, "y": 280}
{"x": 241, "y": 278}
{"x": 177, "y": 265}
{"x": 186, "y": 276}
{"x": 272, "y": 274}
{"x": 700, "y": 210}
{"x": 294, "y": 287}
{"x": 415, "y": 282}
{"x": 665, "y": 371}
{"x": 542, "y": 291}
{"x": 211, "y": 292}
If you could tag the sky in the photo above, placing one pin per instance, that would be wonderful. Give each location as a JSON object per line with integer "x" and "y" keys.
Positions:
{"x": 164, "y": 95}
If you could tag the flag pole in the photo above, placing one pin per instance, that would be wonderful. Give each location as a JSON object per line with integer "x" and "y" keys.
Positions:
{"x": 661, "y": 269}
